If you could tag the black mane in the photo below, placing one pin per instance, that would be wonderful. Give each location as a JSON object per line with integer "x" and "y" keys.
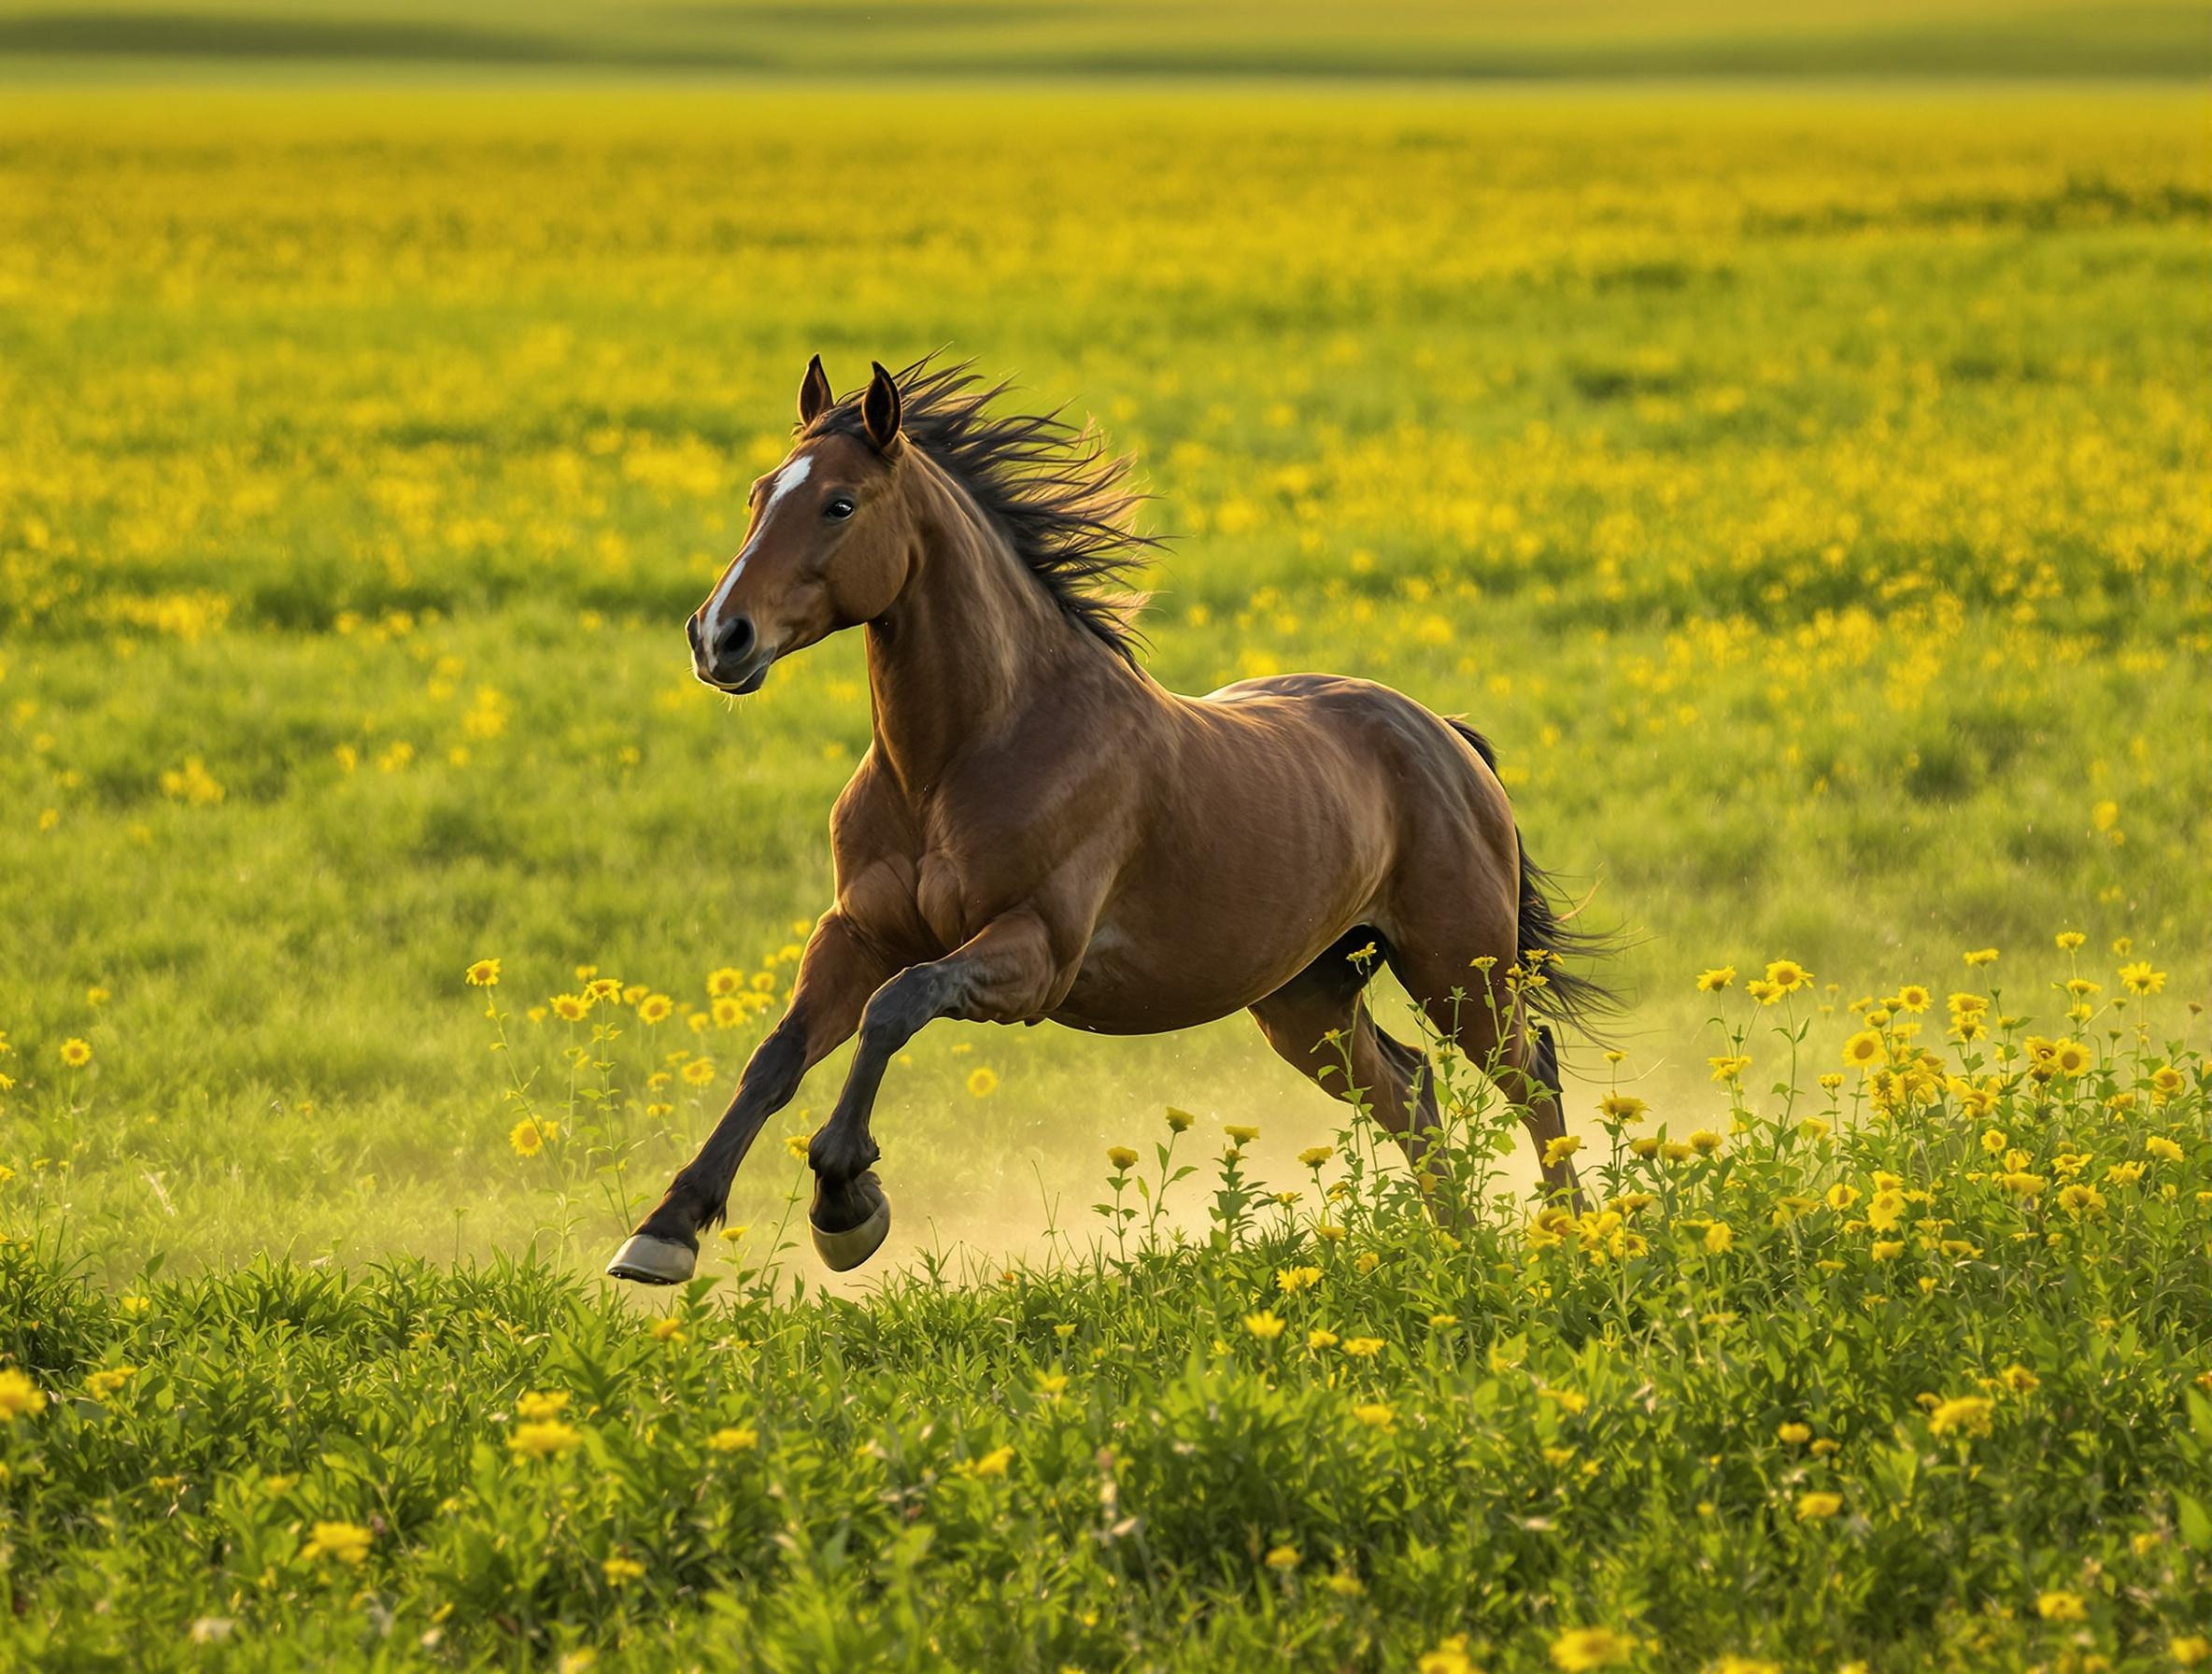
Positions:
{"x": 1052, "y": 490}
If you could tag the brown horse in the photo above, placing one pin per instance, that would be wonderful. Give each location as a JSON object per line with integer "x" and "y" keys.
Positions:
{"x": 1039, "y": 829}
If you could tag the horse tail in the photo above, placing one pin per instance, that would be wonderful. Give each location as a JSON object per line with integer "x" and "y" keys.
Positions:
{"x": 1548, "y": 939}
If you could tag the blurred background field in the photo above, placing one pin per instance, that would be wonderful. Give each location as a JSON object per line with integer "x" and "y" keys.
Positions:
{"x": 1801, "y": 479}
{"x": 1482, "y": 38}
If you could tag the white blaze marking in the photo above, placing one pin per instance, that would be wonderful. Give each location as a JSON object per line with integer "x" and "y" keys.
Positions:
{"x": 710, "y": 627}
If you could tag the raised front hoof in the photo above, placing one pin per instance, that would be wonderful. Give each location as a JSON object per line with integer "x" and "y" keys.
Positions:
{"x": 844, "y": 1248}
{"x": 649, "y": 1260}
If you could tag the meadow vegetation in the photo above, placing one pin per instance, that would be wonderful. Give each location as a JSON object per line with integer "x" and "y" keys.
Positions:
{"x": 1805, "y": 489}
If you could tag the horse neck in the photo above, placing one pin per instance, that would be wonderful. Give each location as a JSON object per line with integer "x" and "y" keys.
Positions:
{"x": 969, "y": 643}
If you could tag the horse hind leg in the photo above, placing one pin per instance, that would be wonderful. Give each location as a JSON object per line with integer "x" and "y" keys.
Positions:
{"x": 1319, "y": 1024}
{"x": 1495, "y": 1031}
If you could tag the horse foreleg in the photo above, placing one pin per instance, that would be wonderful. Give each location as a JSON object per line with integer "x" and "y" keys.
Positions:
{"x": 835, "y": 976}
{"x": 1003, "y": 975}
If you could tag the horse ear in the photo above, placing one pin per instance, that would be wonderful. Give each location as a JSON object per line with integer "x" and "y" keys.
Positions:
{"x": 879, "y": 410}
{"x": 813, "y": 392}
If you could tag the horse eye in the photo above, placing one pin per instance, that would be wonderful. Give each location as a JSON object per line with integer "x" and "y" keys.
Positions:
{"x": 840, "y": 506}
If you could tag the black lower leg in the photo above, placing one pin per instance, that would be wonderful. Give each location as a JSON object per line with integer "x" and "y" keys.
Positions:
{"x": 700, "y": 1194}
{"x": 844, "y": 1152}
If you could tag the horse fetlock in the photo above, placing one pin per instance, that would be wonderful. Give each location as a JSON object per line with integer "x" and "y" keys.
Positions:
{"x": 837, "y": 1157}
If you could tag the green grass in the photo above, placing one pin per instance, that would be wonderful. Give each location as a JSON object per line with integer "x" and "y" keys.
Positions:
{"x": 1776, "y": 1404}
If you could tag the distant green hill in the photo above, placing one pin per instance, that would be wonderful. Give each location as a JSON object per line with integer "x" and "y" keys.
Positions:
{"x": 1483, "y": 38}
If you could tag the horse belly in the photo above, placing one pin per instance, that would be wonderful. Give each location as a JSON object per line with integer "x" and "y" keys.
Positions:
{"x": 1148, "y": 972}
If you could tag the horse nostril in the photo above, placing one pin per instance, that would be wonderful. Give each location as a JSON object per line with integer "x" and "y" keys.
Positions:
{"x": 691, "y": 632}
{"x": 736, "y": 642}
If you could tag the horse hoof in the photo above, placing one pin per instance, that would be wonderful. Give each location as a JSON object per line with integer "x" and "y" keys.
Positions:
{"x": 841, "y": 1252}
{"x": 650, "y": 1260}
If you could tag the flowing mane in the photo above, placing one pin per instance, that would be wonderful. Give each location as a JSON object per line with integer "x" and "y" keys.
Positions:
{"x": 1053, "y": 491}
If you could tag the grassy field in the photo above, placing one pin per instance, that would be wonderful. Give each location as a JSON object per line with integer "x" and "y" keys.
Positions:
{"x": 1804, "y": 485}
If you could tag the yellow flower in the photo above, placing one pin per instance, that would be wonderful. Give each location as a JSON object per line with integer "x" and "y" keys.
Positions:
{"x": 1796, "y": 1434}
{"x": 1179, "y": 1120}
{"x": 1239, "y": 1134}
{"x": 2069, "y": 940}
{"x": 1887, "y": 1249}
{"x": 2061, "y": 1607}
{"x": 728, "y": 980}
{"x": 2165, "y": 1080}
{"x": 543, "y": 1439}
{"x": 550, "y": 1403}
{"x": 1969, "y": 1414}
{"x": 1559, "y": 1150}
{"x": 484, "y": 974}
{"x": 604, "y": 987}
{"x": 1363, "y": 1348}
{"x": 19, "y": 1398}
{"x": 1314, "y": 1156}
{"x": 620, "y": 1570}
{"x": 2081, "y": 1200}
{"x": 1266, "y": 1325}
{"x": 1290, "y": 1280}
{"x": 570, "y": 1008}
{"x": 700, "y": 1071}
{"x": 1719, "y": 1237}
{"x": 1712, "y": 982}
{"x": 2139, "y": 978}
{"x": 1982, "y": 955}
{"x": 2069, "y": 1057}
{"x": 1813, "y": 1507}
{"x": 76, "y": 1054}
{"x": 1375, "y": 1414}
{"x": 654, "y": 1008}
{"x": 1283, "y": 1557}
{"x": 348, "y": 1542}
{"x": 1320, "y": 1338}
{"x": 2190, "y": 1649}
{"x": 101, "y": 1385}
{"x": 982, "y": 1081}
{"x": 1913, "y": 997}
{"x": 1865, "y": 1049}
{"x": 1729, "y": 1066}
{"x": 734, "y": 1438}
{"x": 2160, "y": 1146}
{"x": 1582, "y": 1648}
{"x": 1705, "y": 1142}
{"x": 1787, "y": 975}
{"x": 668, "y": 1328}
{"x": 1122, "y": 1157}
{"x": 527, "y": 1138}
{"x": 1448, "y": 1657}
{"x": 994, "y": 1463}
